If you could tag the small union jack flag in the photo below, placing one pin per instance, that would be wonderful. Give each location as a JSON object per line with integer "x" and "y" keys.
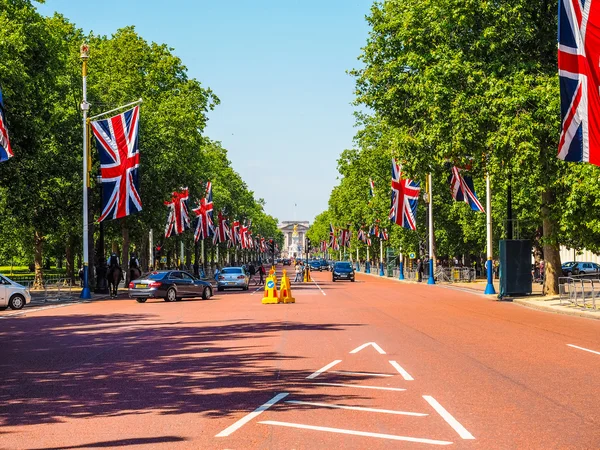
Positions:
{"x": 204, "y": 213}
{"x": 383, "y": 234}
{"x": 371, "y": 188}
{"x": 179, "y": 216}
{"x": 333, "y": 243}
{"x": 405, "y": 195}
{"x": 5, "y": 148}
{"x": 117, "y": 144}
{"x": 463, "y": 190}
{"x": 579, "y": 72}
{"x": 221, "y": 230}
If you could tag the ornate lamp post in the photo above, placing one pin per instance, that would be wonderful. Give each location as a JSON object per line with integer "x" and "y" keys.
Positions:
{"x": 85, "y": 107}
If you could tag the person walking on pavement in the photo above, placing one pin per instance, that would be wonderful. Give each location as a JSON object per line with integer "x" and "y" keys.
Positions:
{"x": 261, "y": 272}
{"x": 298, "y": 273}
{"x": 419, "y": 270}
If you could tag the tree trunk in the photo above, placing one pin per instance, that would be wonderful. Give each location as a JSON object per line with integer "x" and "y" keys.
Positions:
{"x": 38, "y": 244}
{"x": 551, "y": 247}
{"x": 125, "y": 257}
{"x": 70, "y": 259}
{"x": 144, "y": 254}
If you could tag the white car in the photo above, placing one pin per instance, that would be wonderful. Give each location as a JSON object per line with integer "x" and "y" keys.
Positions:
{"x": 12, "y": 294}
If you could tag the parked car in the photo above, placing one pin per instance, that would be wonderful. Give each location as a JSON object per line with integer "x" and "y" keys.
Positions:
{"x": 171, "y": 285}
{"x": 233, "y": 277}
{"x": 287, "y": 262}
{"x": 567, "y": 268}
{"x": 315, "y": 265}
{"x": 12, "y": 294}
{"x": 581, "y": 268}
{"x": 342, "y": 271}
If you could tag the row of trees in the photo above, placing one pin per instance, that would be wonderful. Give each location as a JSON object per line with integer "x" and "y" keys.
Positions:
{"x": 474, "y": 83}
{"x": 40, "y": 188}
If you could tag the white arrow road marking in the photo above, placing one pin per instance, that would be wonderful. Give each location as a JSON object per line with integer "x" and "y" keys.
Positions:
{"x": 361, "y": 387}
{"x": 462, "y": 431}
{"x": 323, "y": 369}
{"x": 356, "y": 433}
{"x": 401, "y": 371}
{"x": 357, "y": 408}
{"x": 375, "y": 346}
{"x": 248, "y": 417}
{"x": 584, "y": 349}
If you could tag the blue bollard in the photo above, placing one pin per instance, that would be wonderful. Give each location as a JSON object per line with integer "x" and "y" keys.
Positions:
{"x": 86, "y": 294}
{"x": 367, "y": 267}
{"x": 357, "y": 266}
{"x": 401, "y": 275}
{"x": 381, "y": 273}
{"x": 489, "y": 288}
{"x": 431, "y": 280}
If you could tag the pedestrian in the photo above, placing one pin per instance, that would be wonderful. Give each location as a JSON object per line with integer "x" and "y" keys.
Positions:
{"x": 419, "y": 270}
{"x": 261, "y": 273}
{"x": 251, "y": 269}
{"x": 298, "y": 269}
{"x": 542, "y": 270}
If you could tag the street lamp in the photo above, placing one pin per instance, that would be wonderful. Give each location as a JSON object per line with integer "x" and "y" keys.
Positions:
{"x": 85, "y": 107}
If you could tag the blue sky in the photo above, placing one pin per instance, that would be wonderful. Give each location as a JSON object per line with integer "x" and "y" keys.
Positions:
{"x": 279, "y": 68}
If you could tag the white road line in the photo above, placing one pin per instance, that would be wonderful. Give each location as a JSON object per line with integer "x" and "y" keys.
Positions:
{"x": 257, "y": 289}
{"x": 357, "y": 408}
{"x": 401, "y": 371}
{"x": 248, "y": 417}
{"x": 361, "y": 387}
{"x": 462, "y": 431}
{"x": 317, "y": 284}
{"x": 584, "y": 349}
{"x": 356, "y": 433}
{"x": 323, "y": 369}
{"x": 343, "y": 372}
{"x": 375, "y": 346}
{"x": 43, "y": 308}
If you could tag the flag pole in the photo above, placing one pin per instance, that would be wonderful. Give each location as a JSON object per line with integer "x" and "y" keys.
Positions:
{"x": 401, "y": 266}
{"x": 489, "y": 288}
{"x": 381, "y": 257}
{"x": 431, "y": 279}
{"x": 85, "y": 107}
{"x": 368, "y": 261}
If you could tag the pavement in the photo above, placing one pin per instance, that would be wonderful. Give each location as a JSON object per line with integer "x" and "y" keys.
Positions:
{"x": 373, "y": 364}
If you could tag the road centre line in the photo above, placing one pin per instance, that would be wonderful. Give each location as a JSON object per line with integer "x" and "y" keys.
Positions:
{"x": 323, "y": 369}
{"x": 584, "y": 349}
{"x": 381, "y": 388}
{"x": 356, "y": 433}
{"x": 256, "y": 290}
{"x": 462, "y": 431}
{"x": 401, "y": 371}
{"x": 317, "y": 284}
{"x": 375, "y": 346}
{"x": 371, "y": 374}
{"x": 357, "y": 408}
{"x": 248, "y": 417}
{"x": 33, "y": 309}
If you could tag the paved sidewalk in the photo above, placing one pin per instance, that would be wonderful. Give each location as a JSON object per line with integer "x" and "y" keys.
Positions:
{"x": 536, "y": 300}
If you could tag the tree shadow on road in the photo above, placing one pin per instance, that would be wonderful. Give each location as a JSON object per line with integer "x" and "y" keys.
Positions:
{"x": 78, "y": 366}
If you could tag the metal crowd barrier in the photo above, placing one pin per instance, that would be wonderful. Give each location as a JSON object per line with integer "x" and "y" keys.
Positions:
{"x": 580, "y": 290}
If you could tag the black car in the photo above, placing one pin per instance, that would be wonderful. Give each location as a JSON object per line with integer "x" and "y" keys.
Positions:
{"x": 342, "y": 271}
{"x": 315, "y": 265}
{"x": 172, "y": 285}
{"x": 287, "y": 262}
{"x": 324, "y": 265}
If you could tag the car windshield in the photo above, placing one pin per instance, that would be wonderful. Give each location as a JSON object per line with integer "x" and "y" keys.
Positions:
{"x": 344, "y": 265}
{"x": 569, "y": 264}
{"x": 227, "y": 270}
{"x": 154, "y": 276}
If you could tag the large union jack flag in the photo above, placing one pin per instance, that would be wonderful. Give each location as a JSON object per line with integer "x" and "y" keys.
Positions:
{"x": 333, "y": 242}
{"x": 204, "y": 213}
{"x": 179, "y": 216}
{"x": 117, "y": 144}
{"x": 405, "y": 195}
{"x": 579, "y": 74}
{"x": 5, "y": 148}
{"x": 463, "y": 190}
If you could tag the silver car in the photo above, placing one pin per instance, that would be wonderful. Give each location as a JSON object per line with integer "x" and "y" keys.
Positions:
{"x": 12, "y": 294}
{"x": 233, "y": 277}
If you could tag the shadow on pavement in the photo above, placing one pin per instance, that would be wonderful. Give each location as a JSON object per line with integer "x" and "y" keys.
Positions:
{"x": 120, "y": 443}
{"x": 76, "y": 366}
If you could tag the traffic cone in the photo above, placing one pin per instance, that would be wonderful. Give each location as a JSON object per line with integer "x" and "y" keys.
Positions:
{"x": 285, "y": 291}
{"x": 270, "y": 295}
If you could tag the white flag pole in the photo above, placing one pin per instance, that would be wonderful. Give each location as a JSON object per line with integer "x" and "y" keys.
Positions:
{"x": 85, "y": 107}
{"x": 489, "y": 289}
{"x": 431, "y": 279}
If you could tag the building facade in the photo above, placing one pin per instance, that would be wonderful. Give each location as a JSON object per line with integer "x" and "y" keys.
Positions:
{"x": 294, "y": 234}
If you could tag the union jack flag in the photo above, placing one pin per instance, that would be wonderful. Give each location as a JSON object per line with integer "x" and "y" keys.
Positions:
{"x": 221, "y": 230}
{"x": 371, "y": 188}
{"x": 179, "y": 216}
{"x": 332, "y": 237}
{"x": 237, "y": 237}
{"x": 5, "y": 148}
{"x": 405, "y": 195}
{"x": 244, "y": 235}
{"x": 204, "y": 212}
{"x": 323, "y": 246}
{"x": 345, "y": 236}
{"x": 579, "y": 72}
{"x": 383, "y": 234}
{"x": 117, "y": 144}
{"x": 463, "y": 190}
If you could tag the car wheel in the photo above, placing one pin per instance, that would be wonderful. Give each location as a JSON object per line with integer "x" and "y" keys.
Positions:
{"x": 333, "y": 279}
{"x": 141, "y": 300}
{"x": 16, "y": 302}
{"x": 171, "y": 295}
{"x": 206, "y": 293}
{"x": 581, "y": 272}
{"x": 352, "y": 279}
{"x": 569, "y": 274}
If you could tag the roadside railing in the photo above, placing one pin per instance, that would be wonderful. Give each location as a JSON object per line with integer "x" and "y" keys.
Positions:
{"x": 580, "y": 290}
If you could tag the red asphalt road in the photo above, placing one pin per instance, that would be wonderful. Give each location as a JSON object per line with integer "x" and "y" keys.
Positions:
{"x": 118, "y": 374}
